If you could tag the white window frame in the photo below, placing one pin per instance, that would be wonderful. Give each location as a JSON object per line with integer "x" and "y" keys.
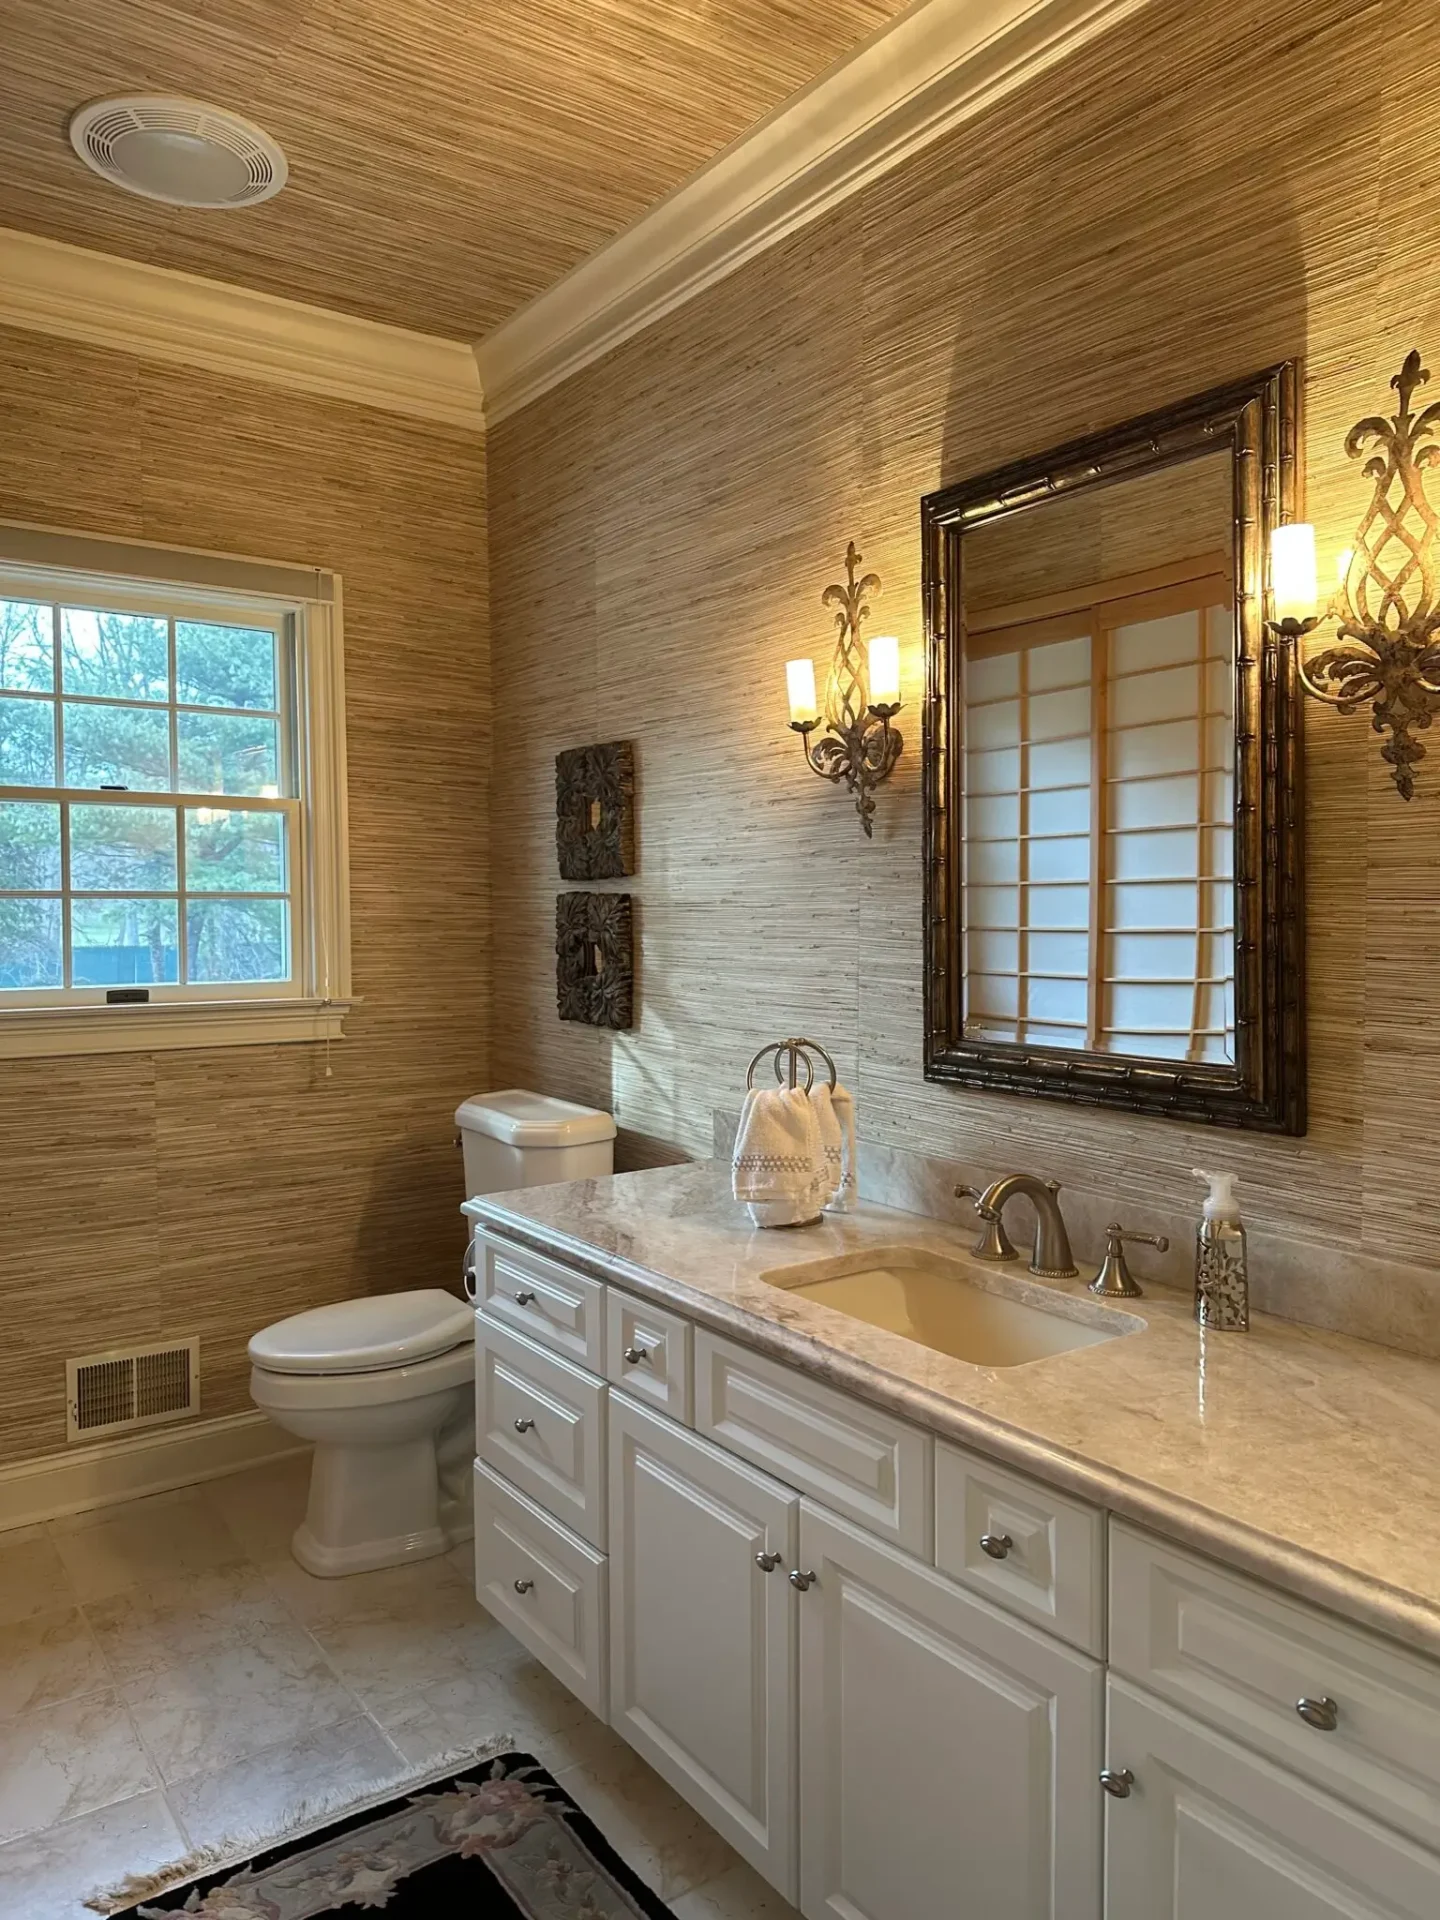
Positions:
{"x": 305, "y": 603}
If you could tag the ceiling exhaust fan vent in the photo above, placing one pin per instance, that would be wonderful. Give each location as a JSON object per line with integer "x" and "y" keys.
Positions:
{"x": 183, "y": 152}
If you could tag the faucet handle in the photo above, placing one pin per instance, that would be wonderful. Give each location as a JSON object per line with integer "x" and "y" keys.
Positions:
{"x": 1115, "y": 1280}
{"x": 994, "y": 1243}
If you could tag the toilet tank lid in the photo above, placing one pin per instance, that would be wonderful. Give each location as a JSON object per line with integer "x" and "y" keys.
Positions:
{"x": 524, "y": 1119}
{"x": 360, "y": 1336}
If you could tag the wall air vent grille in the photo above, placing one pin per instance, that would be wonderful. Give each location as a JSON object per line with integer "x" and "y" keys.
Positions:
{"x": 183, "y": 152}
{"x": 142, "y": 1387}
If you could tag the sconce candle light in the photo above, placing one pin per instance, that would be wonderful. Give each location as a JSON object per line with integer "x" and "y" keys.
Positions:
{"x": 1387, "y": 656}
{"x": 862, "y": 697}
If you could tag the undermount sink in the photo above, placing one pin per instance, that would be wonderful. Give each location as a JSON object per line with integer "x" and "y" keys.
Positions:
{"x": 990, "y": 1319}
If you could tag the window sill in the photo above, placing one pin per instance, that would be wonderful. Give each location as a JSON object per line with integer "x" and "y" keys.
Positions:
{"x": 31, "y": 1032}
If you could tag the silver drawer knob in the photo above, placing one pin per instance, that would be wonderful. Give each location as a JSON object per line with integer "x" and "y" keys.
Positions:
{"x": 1117, "y": 1781}
{"x": 802, "y": 1582}
{"x": 524, "y": 1426}
{"x": 1323, "y": 1715}
{"x": 523, "y": 1586}
{"x": 767, "y": 1562}
{"x": 524, "y": 1298}
{"x": 634, "y": 1355}
{"x": 997, "y": 1545}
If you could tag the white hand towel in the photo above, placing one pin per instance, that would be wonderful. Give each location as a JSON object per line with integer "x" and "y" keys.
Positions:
{"x": 779, "y": 1164}
{"x": 832, "y": 1143}
{"x": 839, "y": 1137}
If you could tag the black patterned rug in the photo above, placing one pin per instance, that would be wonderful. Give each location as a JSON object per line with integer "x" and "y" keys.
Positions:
{"x": 498, "y": 1841}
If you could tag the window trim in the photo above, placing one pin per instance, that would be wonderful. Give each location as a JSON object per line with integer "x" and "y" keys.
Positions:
{"x": 219, "y": 1016}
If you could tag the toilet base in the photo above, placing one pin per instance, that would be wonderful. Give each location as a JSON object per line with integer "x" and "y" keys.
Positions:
{"x": 376, "y": 1506}
{"x": 330, "y": 1562}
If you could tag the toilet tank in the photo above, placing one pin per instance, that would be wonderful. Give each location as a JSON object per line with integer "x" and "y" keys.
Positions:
{"x": 520, "y": 1139}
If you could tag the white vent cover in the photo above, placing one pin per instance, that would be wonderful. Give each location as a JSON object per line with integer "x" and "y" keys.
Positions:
{"x": 179, "y": 151}
{"x": 137, "y": 1387}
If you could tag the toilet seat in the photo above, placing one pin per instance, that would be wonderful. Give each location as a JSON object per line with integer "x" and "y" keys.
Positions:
{"x": 381, "y": 1333}
{"x": 377, "y": 1387}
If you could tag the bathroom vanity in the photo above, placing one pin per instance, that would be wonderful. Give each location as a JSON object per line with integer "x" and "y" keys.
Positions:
{"x": 1137, "y": 1627}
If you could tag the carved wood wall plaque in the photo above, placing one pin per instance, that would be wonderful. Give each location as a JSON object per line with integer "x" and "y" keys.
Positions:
{"x": 595, "y": 811}
{"x": 595, "y": 959}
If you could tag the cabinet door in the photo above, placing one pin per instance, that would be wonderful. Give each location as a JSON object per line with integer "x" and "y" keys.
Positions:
{"x": 702, "y": 1636}
{"x": 1209, "y": 1831}
{"x": 949, "y": 1755}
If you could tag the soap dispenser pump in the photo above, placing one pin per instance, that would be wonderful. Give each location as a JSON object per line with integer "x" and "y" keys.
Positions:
{"x": 1222, "y": 1279}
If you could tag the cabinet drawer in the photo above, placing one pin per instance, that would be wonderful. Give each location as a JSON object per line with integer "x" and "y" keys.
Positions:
{"x": 563, "y": 1311}
{"x": 547, "y": 1586}
{"x": 649, "y": 1353}
{"x": 541, "y": 1422}
{"x": 1043, "y": 1555}
{"x": 851, "y": 1457}
{"x": 1241, "y": 1656}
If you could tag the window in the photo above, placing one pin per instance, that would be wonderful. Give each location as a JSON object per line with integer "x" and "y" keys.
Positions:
{"x": 171, "y": 811}
{"x": 1099, "y": 803}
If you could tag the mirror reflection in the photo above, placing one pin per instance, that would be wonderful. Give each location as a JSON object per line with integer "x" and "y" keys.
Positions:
{"x": 1097, "y": 733}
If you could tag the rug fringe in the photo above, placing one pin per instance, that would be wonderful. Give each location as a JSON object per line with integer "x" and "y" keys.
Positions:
{"x": 312, "y": 1814}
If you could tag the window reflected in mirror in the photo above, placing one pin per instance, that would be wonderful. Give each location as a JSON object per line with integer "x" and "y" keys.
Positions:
{"x": 1097, "y": 736}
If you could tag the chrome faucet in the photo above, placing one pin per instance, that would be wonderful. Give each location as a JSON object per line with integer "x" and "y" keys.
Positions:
{"x": 1051, "y": 1256}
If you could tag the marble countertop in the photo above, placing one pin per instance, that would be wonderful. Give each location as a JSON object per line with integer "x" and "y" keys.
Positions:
{"x": 1302, "y": 1457}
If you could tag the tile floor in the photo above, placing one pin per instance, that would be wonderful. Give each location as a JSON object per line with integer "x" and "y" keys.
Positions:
{"x": 169, "y": 1675}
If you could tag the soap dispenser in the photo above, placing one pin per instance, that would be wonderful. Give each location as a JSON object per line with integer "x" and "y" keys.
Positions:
{"x": 1222, "y": 1279}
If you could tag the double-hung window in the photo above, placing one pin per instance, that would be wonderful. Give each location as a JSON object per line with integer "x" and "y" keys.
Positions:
{"x": 171, "y": 809}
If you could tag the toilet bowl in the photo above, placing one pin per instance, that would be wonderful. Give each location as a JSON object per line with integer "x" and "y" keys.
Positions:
{"x": 385, "y": 1389}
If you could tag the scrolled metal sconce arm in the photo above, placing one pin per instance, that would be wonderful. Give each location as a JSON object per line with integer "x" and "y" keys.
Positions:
{"x": 859, "y": 745}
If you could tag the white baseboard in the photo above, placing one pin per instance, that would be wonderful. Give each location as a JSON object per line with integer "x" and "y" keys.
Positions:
{"x": 154, "y": 1462}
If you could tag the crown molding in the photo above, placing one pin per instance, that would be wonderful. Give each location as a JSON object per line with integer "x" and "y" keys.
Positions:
{"x": 49, "y": 287}
{"x": 934, "y": 66}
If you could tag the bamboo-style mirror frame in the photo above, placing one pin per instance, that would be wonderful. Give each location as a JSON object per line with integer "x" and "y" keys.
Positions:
{"x": 1257, "y": 419}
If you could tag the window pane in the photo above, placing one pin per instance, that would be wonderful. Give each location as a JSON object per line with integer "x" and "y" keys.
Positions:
{"x": 230, "y": 851}
{"x": 224, "y": 666}
{"x": 223, "y": 753}
{"x": 116, "y": 943}
{"x": 30, "y": 953}
{"x": 117, "y": 747}
{"x": 29, "y": 845}
{"x": 26, "y": 635}
{"x": 237, "y": 940}
{"x": 122, "y": 849}
{"x": 123, "y": 656}
{"x": 27, "y": 742}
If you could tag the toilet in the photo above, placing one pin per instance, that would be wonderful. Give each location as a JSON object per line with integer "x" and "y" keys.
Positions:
{"x": 384, "y": 1386}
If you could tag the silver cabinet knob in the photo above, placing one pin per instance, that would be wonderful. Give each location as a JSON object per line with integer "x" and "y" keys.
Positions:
{"x": 524, "y": 1426}
{"x": 1117, "y": 1781}
{"x": 802, "y": 1582}
{"x": 523, "y": 1586}
{"x": 524, "y": 1298}
{"x": 997, "y": 1545}
{"x": 1321, "y": 1714}
{"x": 767, "y": 1562}
{"x": 634, "y": 1355}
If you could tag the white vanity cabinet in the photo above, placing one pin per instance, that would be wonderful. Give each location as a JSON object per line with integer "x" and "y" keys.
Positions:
{"x": 891, "y": 1671}
{"x": 1211, "y": 1831}
{"x": 948, "y": 1754}
{"x": 702, "y": 1641}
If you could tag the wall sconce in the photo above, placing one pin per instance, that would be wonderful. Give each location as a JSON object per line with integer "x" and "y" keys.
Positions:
{"x": 862, "y": 697}
{"x": 1385, "y": 604}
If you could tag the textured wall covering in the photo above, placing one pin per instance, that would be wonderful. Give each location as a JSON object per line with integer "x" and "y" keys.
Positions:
{"x": 143, "y": 1196}
{"x": 1202, "y": 193}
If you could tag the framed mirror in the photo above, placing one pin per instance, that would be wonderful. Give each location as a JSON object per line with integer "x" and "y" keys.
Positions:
{"x": 1112, "y": 771}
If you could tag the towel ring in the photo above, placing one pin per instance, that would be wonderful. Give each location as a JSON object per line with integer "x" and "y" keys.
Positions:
{"x": 799, "y": 1051}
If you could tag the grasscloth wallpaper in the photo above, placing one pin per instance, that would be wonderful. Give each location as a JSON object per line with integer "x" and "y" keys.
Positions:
{"x": 145, "y": 1196}
{"x": 1200, "y": 194}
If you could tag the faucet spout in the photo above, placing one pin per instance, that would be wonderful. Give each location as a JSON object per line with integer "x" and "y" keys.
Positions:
{"x": 1051, "y": 1257}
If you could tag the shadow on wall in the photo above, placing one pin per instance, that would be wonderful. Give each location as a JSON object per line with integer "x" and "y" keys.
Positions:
{"x": 1139, "y": 284}
{"x": 413, "y": 1201}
